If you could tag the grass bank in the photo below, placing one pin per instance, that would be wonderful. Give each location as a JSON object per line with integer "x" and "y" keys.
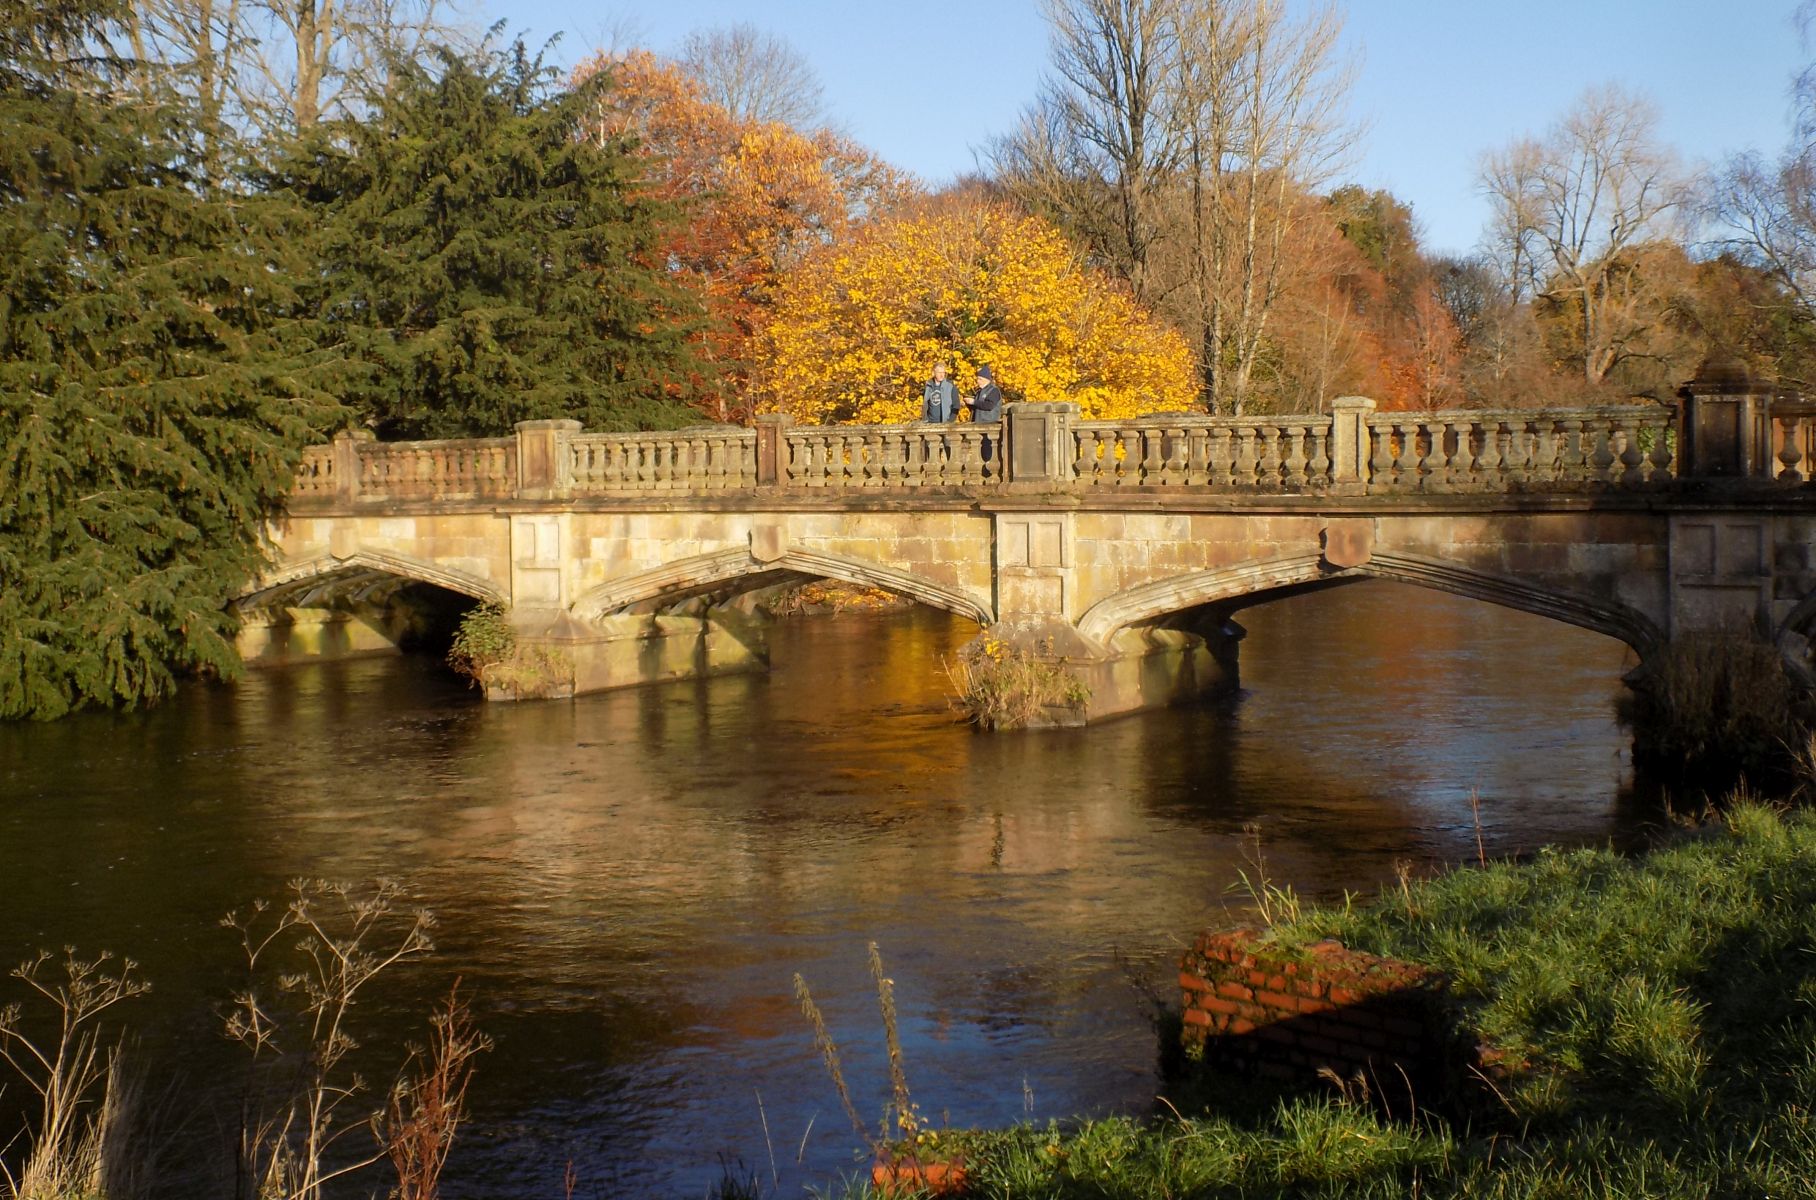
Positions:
{"x": 1662, "y": 1008}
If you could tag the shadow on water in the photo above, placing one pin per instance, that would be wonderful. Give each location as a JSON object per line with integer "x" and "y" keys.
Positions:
{"x": 627, "y": 883}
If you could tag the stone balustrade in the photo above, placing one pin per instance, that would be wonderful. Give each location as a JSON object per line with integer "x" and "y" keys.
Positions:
{"x": 893, "y": 456}
{"x": 1351, "y": 450}
{"x": 1629, "y": 446}
{"x": 711, "y": 458}
{"x": 1287, "y": 453}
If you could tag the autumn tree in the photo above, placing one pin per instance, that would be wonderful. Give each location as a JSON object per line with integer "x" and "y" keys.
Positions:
{"x": 761, "y": 196}
{"x": 484, "y": 263}
{"x": 857, "y": 325}
{"x": 1573, "y": 213}
{"x": 157, "y": 377}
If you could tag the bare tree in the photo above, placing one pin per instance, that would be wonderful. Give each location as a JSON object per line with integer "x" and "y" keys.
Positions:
{"x": 1572, "y": 212}
{"x": 1768, "y": 209}
{"x": 274, "y": 65}
{"x": 1177, "y": 139}
{"x": 753, "y": 75}
{"x": 1261, "y": 97}
{"x": 1101, "y": 145}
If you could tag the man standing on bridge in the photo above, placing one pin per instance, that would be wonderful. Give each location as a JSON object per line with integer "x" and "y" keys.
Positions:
{"x": 939, "y": 399}
{"x": 987, "y": 406}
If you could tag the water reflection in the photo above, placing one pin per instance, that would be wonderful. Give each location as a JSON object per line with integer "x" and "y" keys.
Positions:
{"x": 627, "y": 883}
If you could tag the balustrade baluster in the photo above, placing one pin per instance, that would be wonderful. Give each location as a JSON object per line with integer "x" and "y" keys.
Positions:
{"x": 1381, "y": 466}
{"x": 1197, "y": 450}
{"x": 1295, "y": 457}
{"x": 1790, "y": 453}
{"x": 1461, "y": 453}
{"x": 1149, "y": 465}
{"x": 1084, "y": 460}
{"x": 1223, "y": 458}
{"x": 1660, "y": 454}
{"x": 1268, "y": 469}
{"x": 1603, "y": 458}
{"x": 1246, "y": 459}
{"x": 1406, "y": 462}
{"x": 971, "y": 450}
{"x": 1570, "y": 454}
{"x": 1493, "y": 456}
{"x": 1631, "y": 457}
{"x": 1437, "y": 462}
{"x": 1172, "y": 457}
{"x": 1550, "y": 450}
{"x": 1319, "y": 467}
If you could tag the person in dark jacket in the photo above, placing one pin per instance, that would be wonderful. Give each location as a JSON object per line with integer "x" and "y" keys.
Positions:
{"x": 987, "y": 406}
{"x": 939, "y": 399}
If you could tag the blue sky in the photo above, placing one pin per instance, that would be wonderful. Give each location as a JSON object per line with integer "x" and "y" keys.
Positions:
{"x": 1438, "y": 82}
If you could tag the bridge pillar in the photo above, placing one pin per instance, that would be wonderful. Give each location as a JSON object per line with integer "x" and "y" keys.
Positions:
{"x": 1726, "y": 423}
{"x": 1349, "y": 450}
{"x": 1038, "y": 449}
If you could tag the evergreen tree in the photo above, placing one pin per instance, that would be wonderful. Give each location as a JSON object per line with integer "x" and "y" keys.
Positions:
{"x": 486, "y": 264}
{"x": 152, "y": 400}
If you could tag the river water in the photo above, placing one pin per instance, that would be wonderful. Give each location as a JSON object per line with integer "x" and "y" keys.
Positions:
{"x": 627, "y": 884}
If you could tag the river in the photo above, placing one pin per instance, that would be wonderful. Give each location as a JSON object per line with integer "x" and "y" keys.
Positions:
{"x": 626, "y": 885}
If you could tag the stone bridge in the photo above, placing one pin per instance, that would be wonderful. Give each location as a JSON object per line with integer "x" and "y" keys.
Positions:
{"x": 1121, "y": 550}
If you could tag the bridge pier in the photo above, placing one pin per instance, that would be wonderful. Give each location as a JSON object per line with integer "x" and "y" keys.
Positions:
{"x": 281, "y": 637}
{"x": 693, "y": 640}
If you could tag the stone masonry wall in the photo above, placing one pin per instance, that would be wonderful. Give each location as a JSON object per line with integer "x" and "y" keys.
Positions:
{"x": 1255, "y": 1009}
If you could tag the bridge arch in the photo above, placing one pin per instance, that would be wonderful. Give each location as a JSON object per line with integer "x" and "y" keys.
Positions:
{"x": 310, "y": 573}
{"x": 726, "y": 566}
{"x": 1244, "y": 584}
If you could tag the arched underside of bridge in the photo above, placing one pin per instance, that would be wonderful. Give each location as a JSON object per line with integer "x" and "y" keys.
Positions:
{"x": 737, "y": 571}
{"x": 1248, "y": 584}
{"x": 367, "y": 576}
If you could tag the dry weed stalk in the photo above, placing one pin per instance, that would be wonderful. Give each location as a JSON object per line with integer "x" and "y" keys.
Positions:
{"x": 72, "y": 1154}
{"x": 417, "y": 1128}
{"x": 829, "y": 1054}
{"x": 342, "y": 941}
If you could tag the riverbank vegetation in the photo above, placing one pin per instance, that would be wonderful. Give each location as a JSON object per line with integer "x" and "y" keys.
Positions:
{"x": 305, "y": 1116}
{"x": 1654, "y": 1018}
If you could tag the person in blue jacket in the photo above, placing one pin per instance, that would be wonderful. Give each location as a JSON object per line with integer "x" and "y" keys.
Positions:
{"x": 939, "y": 399}
{"x": 987, "y": 406}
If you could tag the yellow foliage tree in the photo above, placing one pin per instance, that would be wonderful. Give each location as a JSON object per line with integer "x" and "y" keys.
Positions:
{"x": 856, "y": 326}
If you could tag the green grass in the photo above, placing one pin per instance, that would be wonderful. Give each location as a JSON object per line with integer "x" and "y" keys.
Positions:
{"x": 1664, "y": 1007}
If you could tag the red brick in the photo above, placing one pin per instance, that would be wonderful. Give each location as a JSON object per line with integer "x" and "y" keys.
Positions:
{"x": 1240, "y": 1026}
{"x": 1309, "y": 986}
{"x": 1277, "y": 982}
{"x": 1218, "y": 1004}
{"x": 1234, "y": 990}
{"x": 1343, "y": 995}
{"x": 1258, "y": 978}
{"x": 1276, "y": 1000}
{"x": 1313, "y": 1006}
{"x": 1193, "y": 983}
{"x": 1194, "y": 1017}
{"x": 1327, "y": 946}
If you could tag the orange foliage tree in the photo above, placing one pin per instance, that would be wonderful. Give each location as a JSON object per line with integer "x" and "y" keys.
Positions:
{"x": 857, "y": 325}
{"x": 761, "y": 195}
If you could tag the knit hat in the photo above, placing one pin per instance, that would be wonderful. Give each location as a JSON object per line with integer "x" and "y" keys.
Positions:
{"x": 984, "y": 373}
